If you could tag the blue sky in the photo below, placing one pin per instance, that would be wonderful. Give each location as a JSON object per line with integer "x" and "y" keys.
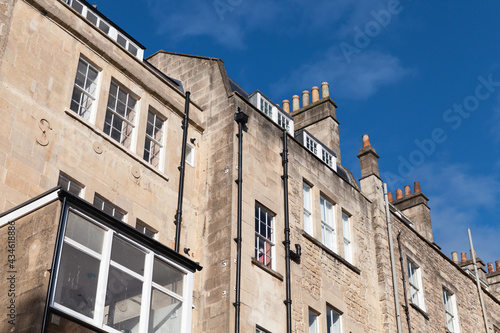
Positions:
{"x": 422, "y": 79}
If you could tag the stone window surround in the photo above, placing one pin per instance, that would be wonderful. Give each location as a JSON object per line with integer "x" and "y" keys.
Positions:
{"x": 265, "y": 237}
{"x": 330, "y": 310}
{"x": 153, "y": 140}
{"x": 415, "y": 284}
{"x": 127, "y": 130}
{"x": 328, "y": 225}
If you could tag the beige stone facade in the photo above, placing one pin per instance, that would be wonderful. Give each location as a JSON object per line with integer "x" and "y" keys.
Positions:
{"x": 344, "y": 276}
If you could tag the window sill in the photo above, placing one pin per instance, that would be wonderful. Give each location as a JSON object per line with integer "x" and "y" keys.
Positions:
{"x": 73, "y": 115}
{"x": 267, "y": 269}
{"x": 331, "y": 253}
{"x": 419, "y": 310}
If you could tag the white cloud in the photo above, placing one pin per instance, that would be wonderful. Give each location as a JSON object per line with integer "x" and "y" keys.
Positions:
{"x": 359, "y": 79}
{"x": 460, "y": 199}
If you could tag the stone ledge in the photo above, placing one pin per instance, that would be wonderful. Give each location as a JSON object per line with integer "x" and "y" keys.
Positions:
{"x": 419, "y": 310}
{"x": 330, "y": 252}
{"x": 267, "y": 269}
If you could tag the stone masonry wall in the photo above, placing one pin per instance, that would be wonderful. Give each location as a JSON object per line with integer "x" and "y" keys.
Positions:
{"x": 35, "y": 236}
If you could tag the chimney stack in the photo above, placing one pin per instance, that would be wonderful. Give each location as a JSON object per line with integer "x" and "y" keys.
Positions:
{"x": 286, "y": 105}
{"x": 305, "y": 98}
{"x": 497, "y": 264}
{"x": 390, "y": 197}
{"x": 315, "y": 94}
{"x": 399, "y": 194}
{"x": 454, "y": 257}
{"x": 368, "y": 158}
{"x": 490, "y": 268}
{"x": 295, "y": 102}
{"x": 416, "y": 187}
{"x": 325, "y": 91}
{"x": 464, "y": 256}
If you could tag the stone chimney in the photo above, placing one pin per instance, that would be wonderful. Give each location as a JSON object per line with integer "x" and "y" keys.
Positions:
{"x": 454, "y": 257}
{"x": 493, "y": 278}
{"x": 368, "y": 158}
{"x": 469, "y": 264}
{"x": 318, "y": 117}
{"x": 414, "y": 205}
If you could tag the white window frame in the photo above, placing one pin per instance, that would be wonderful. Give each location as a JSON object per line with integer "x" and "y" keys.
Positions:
{"x": 346, "y": 230}
{"x": 311, "y": 144}
{"x": 266, "y": 107}
{"x": 115, "y": 210}
{"x": 331, "y": 325}
{"x": 284, "y": 121}
{"x": 308, "y": 208}
{"x": 88, "y": 93}
{"x": 328, "y": 234}
{"x": 131, "y": 107}
{"x": 451, "y": 313}
{"x": 416, "y": 286}
{"x": 327, "y": 157}
{"x": 70, "y": 185}
{"x": 313, "y": 321}
{"x": 262, "y": 236}
{"x": 154, "y": 142}
{"x": 105, "y": 263}
{"x": 190, "y": 152}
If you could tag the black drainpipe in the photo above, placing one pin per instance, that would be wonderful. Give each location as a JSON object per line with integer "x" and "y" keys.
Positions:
{"x": 407, "y": 311}
{"x": 241, "y": 119}
{"x": 295, "y": 256}
{"x": 182, "y": 167}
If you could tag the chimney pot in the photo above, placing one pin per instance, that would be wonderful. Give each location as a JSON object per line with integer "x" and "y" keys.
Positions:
{"x": 286, "y": 105}
{"x": 497, "y": 264}
{"x": 325, "y": 91}
{"x": 366, "y": 141}
{"x": 407, "y": 190}
{"x": 464, "y": 257}
{"x": 399, "y": 194}
{"x": 315, "y": 94}
{"x": 416, "y": 187}
{"x": 454, "y": 257}
{"x": 305, "y": 98}
{"x": 295, "y": 102}
{"x": 490, "y": 268}
{"x": 390, "y": 197}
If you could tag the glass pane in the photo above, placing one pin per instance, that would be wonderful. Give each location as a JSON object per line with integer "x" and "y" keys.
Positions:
{"x": 76, "y": 285}
{"x": 84, "y": 232}
{"x": 127, "y": 255}
{"x": 92, "y": 18}
{"x": 168, "y": 277}
{"x": 103, "y": 26}
{"x": 165, "y": 314}
{"x": 123, "y": 301}
{"x": 122, "y": 41}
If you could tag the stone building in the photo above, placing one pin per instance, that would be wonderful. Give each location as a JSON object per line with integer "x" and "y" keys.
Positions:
{"x": 276, "y": 235}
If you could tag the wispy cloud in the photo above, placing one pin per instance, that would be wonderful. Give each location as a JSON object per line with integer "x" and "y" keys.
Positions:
{"x": 360, "y": 79}
{"x": 232, "y": 22}
{"x": 458, "y": 198}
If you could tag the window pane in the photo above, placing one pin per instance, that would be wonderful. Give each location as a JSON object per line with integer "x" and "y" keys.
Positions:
{"x": 84, "y": 232}
{"x": 123, "y": 301}
{"x": 166, "y": 313}
{"x": 76, "y": 285}
{"x": 127, "y": 255}
{"x": 168, "y": 277}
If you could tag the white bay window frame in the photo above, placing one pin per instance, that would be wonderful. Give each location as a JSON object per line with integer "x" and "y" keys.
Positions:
{"x": 106, "y": 263}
